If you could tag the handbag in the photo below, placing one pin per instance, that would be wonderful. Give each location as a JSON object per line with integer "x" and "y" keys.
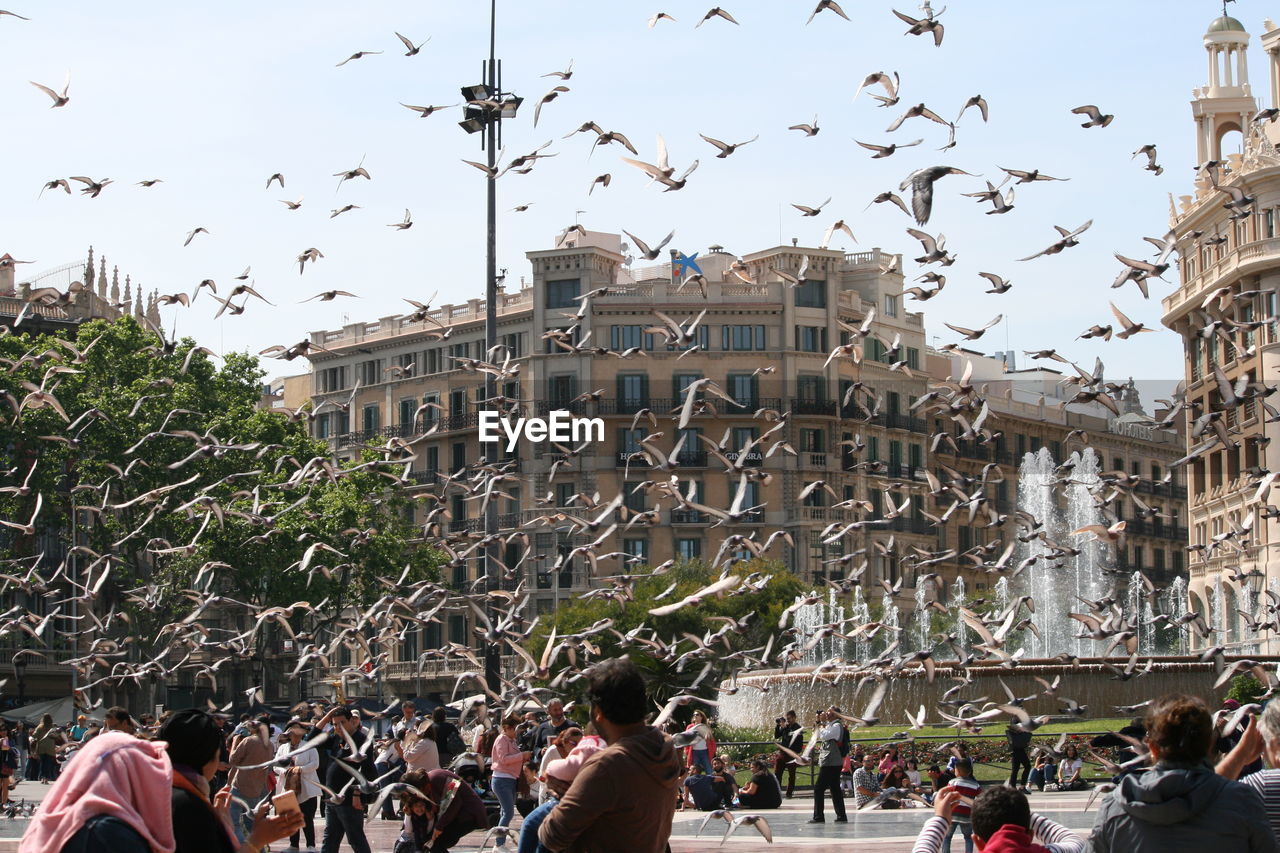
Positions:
{"x": 293, "y": 780}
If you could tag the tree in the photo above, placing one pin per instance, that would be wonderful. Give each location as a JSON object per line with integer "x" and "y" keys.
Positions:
{"x": 177, "y": 489}
{"x": 685, "y": 630}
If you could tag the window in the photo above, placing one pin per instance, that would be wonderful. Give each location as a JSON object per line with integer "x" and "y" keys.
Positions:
{"x": 322, "y": 425}
{"x": 688, "y": 549}
{"x": 893, "y": 403}
{"x": 742, "y": 337}
{"x": 915, "y": 453}
{"x": 369, "y": 372}
{"x": 331, "y": 379}
{"x": 344, "y": 423}
{"x": 369, "y": 418}
{"x": 701, "y": 339}
{"x": 459, "y": 450}
{"x": 1269, "y": 223}
{"x": 895, "y": 453}
{"x": 561, "y": 294}
{"x": 873, "y": 448}
{"x": 811, "y": 293}
{"x": 638, "y": 549}
{"x": 811, "y": 389}
{"x": 633, "y": 392}
{"x": 813, "y": 440}
{"x": 1158, "y": 559}
{"x": 629, "y": 440}
{"x": 435, "y": 361}
{"x": 433, "y": 458}
{"x": 635, "y": 498}
{"x": 811, "y": 338}
{"x": 456, "y": 351}
{"x": 561, "y": 389}
{"x": 458, "y": 401}
{"x": 458, "y": 625}
{"x": 564, "y": 491}
{"x": 680, "y": 383}
{"x": 513, "y": 344}
{"x": 628, "y": 337}
{"x": 408, "y": 362}
{"x": 875, "y": 350}
{"x": 745, "y": 389}
{"x": 913, "y": 358}
{"x": 408, "y": 406}
{"x": 890, "y": 305}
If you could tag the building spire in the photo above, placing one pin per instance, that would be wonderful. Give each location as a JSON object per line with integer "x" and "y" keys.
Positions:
{"x": 88, "y": 271}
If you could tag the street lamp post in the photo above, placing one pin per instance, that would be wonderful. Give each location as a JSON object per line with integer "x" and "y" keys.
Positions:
{"x": 487, "y": 105}
{"x": 20, "y": 673}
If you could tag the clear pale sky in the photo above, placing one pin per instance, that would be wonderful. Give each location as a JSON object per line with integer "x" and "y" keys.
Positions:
{"x": 214, "y": 98}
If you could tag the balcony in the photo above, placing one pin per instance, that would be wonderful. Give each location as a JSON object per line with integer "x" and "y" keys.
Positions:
{"x": 919, "y": 526}
{"x": 896, "y": 421}
{"x": 688, "y": 516}
{"x": 427, "y": 476}
{"x": 547, "y": 407}
{"x": 630, "y": 459}
{"x": 755, "y": 458}
{"x": 813, "y": 407}
{"x": 899, "y": 471}
{"x": 811, "y": 459}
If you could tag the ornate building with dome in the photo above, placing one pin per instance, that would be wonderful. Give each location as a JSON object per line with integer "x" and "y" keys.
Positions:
{"x": 1225, "y": 309}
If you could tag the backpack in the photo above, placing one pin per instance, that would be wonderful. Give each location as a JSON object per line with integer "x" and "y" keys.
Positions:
{"x": 843, "y": 743}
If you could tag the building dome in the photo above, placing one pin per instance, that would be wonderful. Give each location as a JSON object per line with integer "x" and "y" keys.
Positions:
{"x": 1225, "y": 24}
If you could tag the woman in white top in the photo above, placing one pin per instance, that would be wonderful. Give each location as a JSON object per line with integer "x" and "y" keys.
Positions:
{"x": 308, "y": 763}
{"x": 1069, "y": 769}
{"x": 560, "y": 747}
{"x": 420, "y": 749}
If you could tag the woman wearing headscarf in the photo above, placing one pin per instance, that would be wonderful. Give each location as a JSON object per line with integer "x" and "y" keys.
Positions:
{"x": 194, "y": 745}
{"x": 299, "y": 772}
{"x": 114, "y": 798}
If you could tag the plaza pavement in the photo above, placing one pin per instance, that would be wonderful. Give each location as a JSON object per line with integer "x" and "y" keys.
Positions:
{"x": 873, "y": 831}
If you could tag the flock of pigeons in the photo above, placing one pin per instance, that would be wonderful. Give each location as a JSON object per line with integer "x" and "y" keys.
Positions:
{"x": 499, "y": 615}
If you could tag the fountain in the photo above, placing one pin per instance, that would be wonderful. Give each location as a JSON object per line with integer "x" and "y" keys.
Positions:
{"x": 1057, "y": 587}
{"x": 921, "y": 617}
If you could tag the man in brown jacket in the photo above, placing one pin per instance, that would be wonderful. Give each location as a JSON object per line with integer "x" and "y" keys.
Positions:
{"x": 624, "y": 797}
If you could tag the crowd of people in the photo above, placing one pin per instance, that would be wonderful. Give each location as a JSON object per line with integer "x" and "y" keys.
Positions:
{"x": 191, "y": 781}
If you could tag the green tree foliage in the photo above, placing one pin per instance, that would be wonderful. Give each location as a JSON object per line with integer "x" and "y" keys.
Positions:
{"x": 185, "y": 489}
{"x": 1244, "y": 689}
{"x": 671, "y": 674}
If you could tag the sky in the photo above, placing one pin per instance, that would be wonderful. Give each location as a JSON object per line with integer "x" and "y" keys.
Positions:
{"x": 214, "y": 98}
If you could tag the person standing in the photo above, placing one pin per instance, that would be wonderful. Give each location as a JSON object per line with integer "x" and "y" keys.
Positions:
{"x": 829, "y": 736}
{"x": 299, "y": 773}
{"x": 421, "y": 752}
{"x": 508, "y": 762}
{"x": 448, "y": 740}
{"x": 624, "y": 797}
{"x": 80, "y": 729}
{"x": 703, "y": 748}
{"x": 247, "y": 780}
{"x": 44, "y": 748}
{"x": 20, "y": 739}
{"x": 787, "y": 732}
{"x": 550, "y": 728}
{"x": 346, "y": 817}
{"x": 1019, "y": 739}
{"x": 961, "y": 814}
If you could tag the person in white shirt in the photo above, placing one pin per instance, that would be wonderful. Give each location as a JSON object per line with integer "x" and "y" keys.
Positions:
{"x": 307, "y": 764}
{"x": 420, "y": 749}
{"x": 1069, "y": 770}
